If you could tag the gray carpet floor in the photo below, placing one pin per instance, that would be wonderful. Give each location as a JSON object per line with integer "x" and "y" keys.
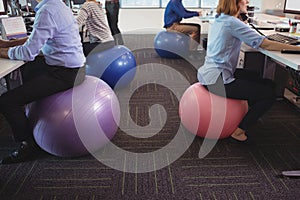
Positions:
{"x": 229, "y": 171}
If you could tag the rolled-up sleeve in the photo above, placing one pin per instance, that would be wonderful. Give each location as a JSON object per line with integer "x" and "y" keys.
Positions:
{"x": 246, "y": 34}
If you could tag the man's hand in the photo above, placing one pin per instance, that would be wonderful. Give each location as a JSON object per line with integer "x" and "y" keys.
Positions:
{"x": 12, "y": 43}
{"x": 3, "y": 52}
{"x": 3, "y": 43}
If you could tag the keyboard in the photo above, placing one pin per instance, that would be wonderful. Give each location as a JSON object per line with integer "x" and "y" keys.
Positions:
{"x": 283, "y": 38}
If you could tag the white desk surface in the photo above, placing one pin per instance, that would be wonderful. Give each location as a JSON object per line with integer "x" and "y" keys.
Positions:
{"x": 291, "y": 60}
{"x": 7, "y": 66}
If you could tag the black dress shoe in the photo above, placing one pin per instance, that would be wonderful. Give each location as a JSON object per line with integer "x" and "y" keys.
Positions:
{"x": 25, "y": 152}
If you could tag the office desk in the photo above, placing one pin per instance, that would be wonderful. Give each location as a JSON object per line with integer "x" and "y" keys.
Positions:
{"x": 290, "y": 60}
{"x": 7, "y": 66}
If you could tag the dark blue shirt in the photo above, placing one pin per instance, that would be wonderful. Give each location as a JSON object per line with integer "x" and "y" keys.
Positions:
{"x": 175, "y": 12}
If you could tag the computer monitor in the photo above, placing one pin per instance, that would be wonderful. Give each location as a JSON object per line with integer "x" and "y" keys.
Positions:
{"x": 3, "y": 7}
{"x": 292, "y": 7}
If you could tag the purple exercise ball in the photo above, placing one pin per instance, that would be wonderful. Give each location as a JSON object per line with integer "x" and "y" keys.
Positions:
{"x": 77, "y": 121}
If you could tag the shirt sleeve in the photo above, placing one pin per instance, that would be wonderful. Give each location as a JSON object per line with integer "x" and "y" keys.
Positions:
{"x": 82, "y": 15}
{"x": 43, "y": 28}
{"x": 249, "y": 36}
{"x": 179, "y": 9}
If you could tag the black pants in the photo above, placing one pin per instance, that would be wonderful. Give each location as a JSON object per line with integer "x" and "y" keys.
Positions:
{"x": 260, "y": 94}
{"x": 96, "y": 47}
{"x": 112, "y": 12}
{"x": 39, "y": 80}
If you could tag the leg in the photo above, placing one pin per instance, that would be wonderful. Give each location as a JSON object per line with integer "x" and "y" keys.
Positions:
{"x": 55, "y": 79}
{"x": 90, "y": 48}
{"x": 259, "y": 93}
{"x": 112, "y": 12}
{"x": 193, "y": 30}
{"x": 102, "y": 47}
{"x": 196, "y": 31}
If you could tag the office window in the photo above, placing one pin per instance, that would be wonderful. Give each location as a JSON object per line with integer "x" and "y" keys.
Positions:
{"x": 209, "y": 3}
{"x": 163, "y": 3}
{"x": 140, "y": 3}
{"x": 186, "y": 3}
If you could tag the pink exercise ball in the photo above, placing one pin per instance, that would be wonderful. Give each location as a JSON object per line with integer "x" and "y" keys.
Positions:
{"x": 208, "y": 115}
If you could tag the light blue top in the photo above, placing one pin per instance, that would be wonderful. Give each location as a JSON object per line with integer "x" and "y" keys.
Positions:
{"x": 224, "y": 42}
{"x": 55, "y": 33}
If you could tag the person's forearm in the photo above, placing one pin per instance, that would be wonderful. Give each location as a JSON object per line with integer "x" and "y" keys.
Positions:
{"x": 15, "y": 42}
{"x": 276, "y": 46}
{"x": 3, "y": 53}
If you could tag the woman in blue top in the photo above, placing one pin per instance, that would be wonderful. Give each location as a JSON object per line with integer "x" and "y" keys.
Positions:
{"x": 219, "y": 73}
{"x": 55, "y": 34}
{"x": 173, "y": 15}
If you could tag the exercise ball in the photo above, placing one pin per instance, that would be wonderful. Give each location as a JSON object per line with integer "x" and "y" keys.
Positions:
{"x": 172, "y": 44}
{"x": 116, "y": 66}
{"x": 64, "y": 123}
{"x": 208, "y": 115}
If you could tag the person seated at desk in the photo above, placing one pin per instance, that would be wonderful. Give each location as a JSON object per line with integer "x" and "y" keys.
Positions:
{"x": 92, "y": 15}
{"x": 219, "y": 74}
{"x": 173, "y": 15}
{"x": 55, "y": 33}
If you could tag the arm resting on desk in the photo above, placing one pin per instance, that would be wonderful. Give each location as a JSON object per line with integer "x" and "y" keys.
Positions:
{"x": 5, "y": 44}
{"x": 276, "y": 46}
{"x": 3, "y": 53}
{"x": 12, "y": 43}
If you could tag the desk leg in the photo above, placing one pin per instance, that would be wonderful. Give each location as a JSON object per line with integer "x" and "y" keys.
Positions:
{"x": 13, "y": 79}
{"x": 278, "y": 73}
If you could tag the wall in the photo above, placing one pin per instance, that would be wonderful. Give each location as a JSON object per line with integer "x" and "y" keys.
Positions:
{"x": 148, "y": 21}
{"x": 274, "y": 4}
{"x": 141, "y": 20}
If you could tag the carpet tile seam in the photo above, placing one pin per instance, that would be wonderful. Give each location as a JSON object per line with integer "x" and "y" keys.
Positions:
{"x": 25, "y": 178}
{"x": 264, "y": 173}
{"x": 10, "y": 178}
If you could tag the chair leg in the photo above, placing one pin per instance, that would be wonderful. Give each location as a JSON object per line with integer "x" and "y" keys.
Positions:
{"x": 291, "y": 173}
